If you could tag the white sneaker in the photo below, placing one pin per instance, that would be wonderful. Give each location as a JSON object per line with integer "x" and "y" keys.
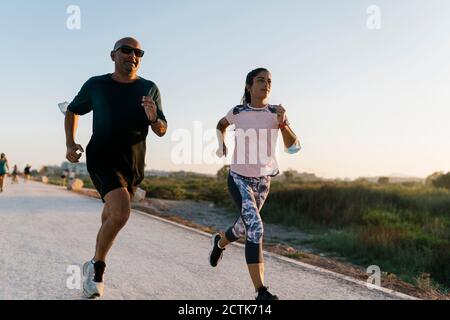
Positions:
{"x": 91, "y": 289}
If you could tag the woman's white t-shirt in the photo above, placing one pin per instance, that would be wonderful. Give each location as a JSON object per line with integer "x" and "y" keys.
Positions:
{"x": 256, "y": 134}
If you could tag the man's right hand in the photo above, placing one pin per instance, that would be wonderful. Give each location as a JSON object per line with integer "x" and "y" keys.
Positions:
{"x": 72, "y": 154}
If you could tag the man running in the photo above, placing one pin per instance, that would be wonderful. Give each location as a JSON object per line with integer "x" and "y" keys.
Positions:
{"x": 26, "y": 173}
{"x": 124, "y": 106}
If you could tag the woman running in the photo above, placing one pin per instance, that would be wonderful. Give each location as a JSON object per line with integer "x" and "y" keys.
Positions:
{"x": 257, "y": 124}
{"x": 4, "y": 168}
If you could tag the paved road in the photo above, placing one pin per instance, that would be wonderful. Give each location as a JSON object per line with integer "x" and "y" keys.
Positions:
{"x": 45, "y": 229}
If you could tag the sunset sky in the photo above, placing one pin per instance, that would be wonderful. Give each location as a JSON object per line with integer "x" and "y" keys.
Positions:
{"x": 363, "y": 102}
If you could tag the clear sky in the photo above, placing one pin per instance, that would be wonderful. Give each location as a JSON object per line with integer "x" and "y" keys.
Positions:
{"x": 363, "y": 102}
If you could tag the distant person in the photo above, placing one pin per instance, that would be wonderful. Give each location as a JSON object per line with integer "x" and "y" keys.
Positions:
{"x": 27, "y": 173}
{"x": 64, "y": 175}
{"x": 124, "y": 105}
{"x": 4, "y": 169}
{"x": 14, "y": 174}
{"x": 71, "y": 179}
{"x": 250, "y": 174}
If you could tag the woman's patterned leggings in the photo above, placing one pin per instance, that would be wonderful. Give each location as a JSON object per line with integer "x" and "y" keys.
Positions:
{"x": 249, "y": 195}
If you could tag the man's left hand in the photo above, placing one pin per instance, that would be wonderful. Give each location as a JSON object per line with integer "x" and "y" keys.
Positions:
{"x": 150, "y": 108}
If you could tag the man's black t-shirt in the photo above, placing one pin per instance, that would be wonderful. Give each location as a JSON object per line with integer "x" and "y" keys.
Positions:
{"x": 120, "y": 125}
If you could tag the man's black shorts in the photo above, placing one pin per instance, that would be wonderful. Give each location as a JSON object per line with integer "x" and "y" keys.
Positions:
{"x": 107, "y": 179}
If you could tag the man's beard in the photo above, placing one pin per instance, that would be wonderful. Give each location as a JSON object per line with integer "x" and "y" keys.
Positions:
{"x": 128, "y": 69}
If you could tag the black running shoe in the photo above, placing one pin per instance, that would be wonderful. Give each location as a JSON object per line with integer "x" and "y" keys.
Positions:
{"x": 216, "y": 253}
{"x": 264, "y": 294}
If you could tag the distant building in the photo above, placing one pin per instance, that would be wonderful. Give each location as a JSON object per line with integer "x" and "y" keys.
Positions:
{"x": 79, "y": 168}
{"x": 176, "y": 174}
{"x": 156, "y": 173}
{"x": 51, "y": 170}
{"x": 293, "y": 174}
{"x": 391, "y": 179}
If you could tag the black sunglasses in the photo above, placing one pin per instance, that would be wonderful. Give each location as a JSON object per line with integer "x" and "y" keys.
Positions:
{"x": 127, "y": 50}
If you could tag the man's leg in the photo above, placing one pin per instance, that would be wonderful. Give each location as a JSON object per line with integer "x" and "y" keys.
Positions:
{"x": 104, "y": 217}
{"x": 114, "y": 217}
{"x": 1, "y": 182}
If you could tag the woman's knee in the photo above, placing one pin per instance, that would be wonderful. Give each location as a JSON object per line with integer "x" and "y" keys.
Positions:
{"x": 253, "y": 252}
{"x": 255, "y": 232}
{"x": 253, "y": 245}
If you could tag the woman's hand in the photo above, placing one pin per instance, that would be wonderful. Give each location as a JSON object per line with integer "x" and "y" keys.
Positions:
{"x": 281, "y": 114}
{"x": 222, "y": 152}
